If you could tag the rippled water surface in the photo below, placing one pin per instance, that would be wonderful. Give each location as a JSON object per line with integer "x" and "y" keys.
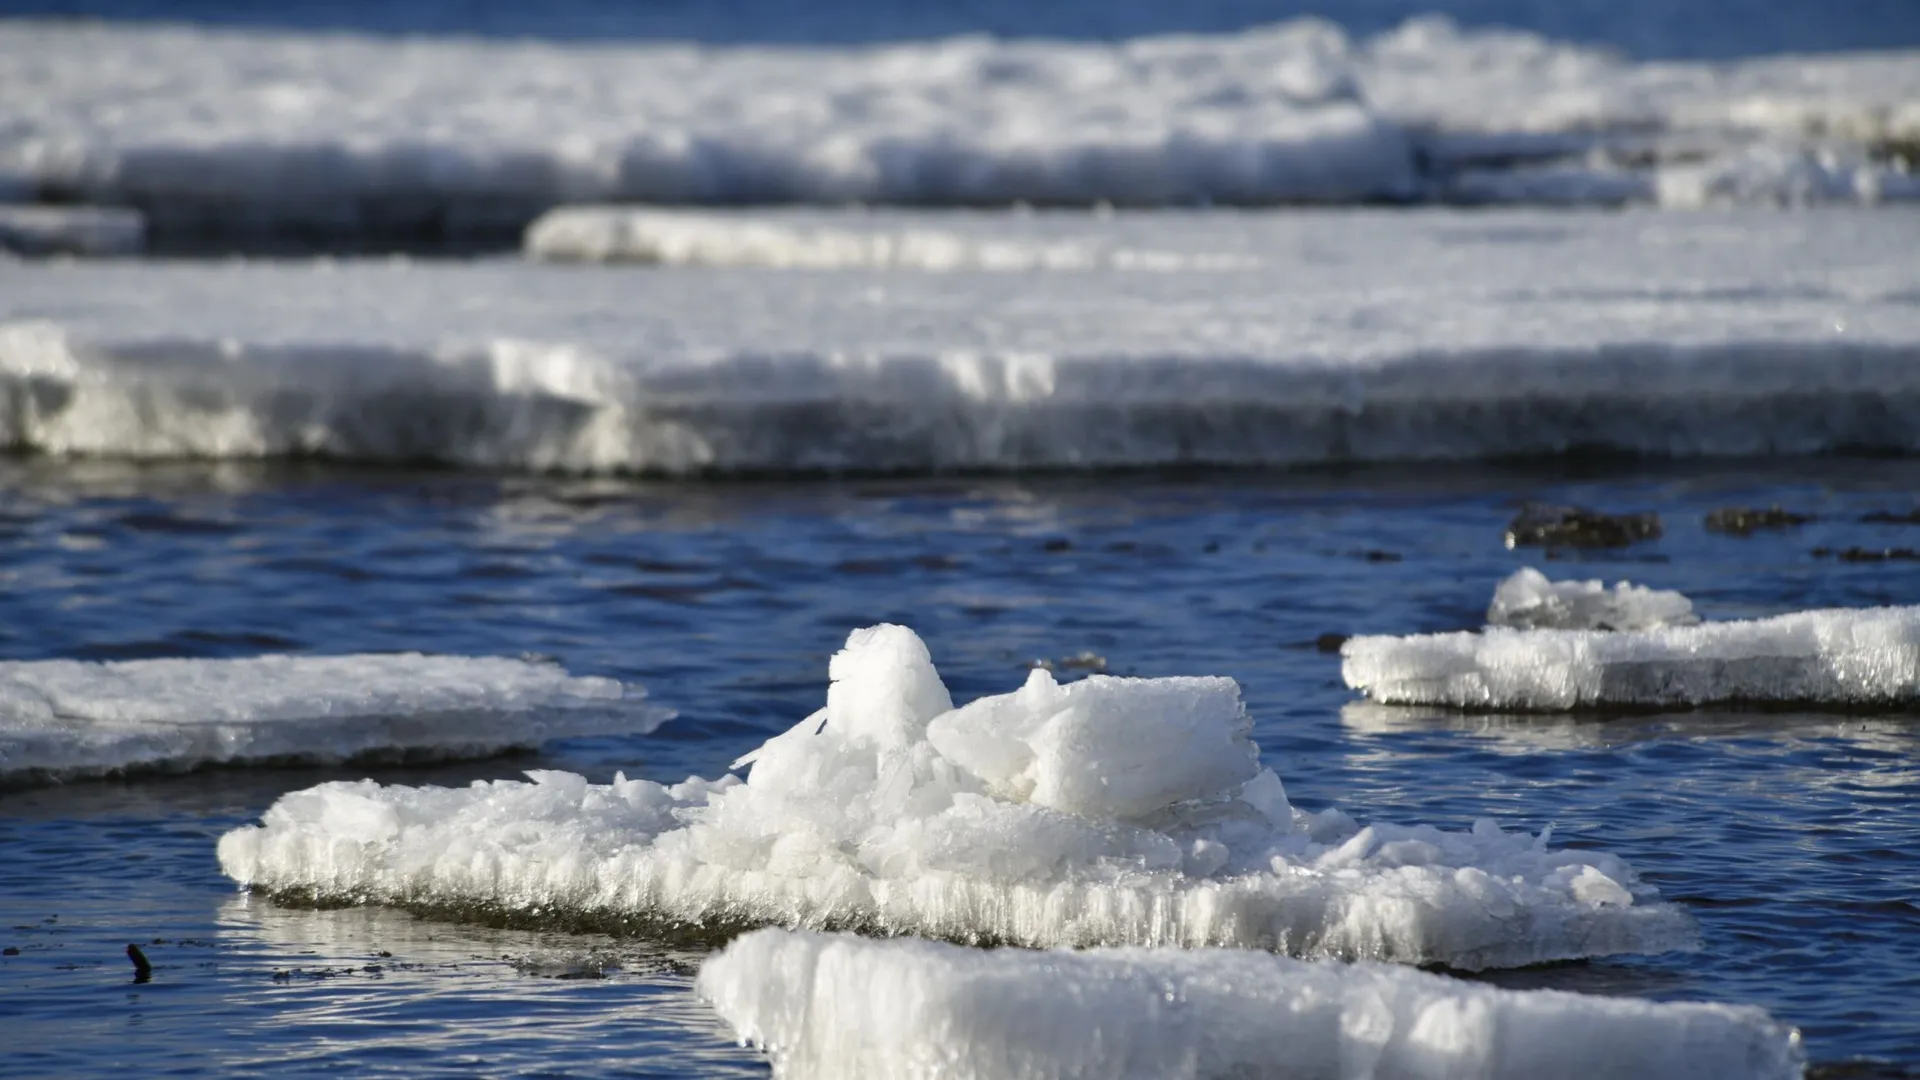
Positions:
{"x": 1793, "y": 837}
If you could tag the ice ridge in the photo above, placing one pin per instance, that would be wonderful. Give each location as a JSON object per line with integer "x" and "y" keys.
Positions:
{"x": 439, "y": 139}
{"x": 1108, "y": 811}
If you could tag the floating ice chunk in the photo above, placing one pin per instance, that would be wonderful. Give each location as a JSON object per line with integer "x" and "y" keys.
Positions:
{"x": 824, "y": 242}
{"x": 1845, "y": 658}
{"x": 1528, "y": 601}
{"x": 1111, "y": 811}
{"x": 61, "y": 719}
{"x": 1104, "y": 747}
{"x": 1783, "y": 176}
{"x": 842, "y": 1006}
{"x": 71, "y": 230}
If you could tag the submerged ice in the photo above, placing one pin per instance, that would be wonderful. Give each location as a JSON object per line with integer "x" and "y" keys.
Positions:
{"x": 843, "y": 1006}
{"x": 1103, "y": 812}
{"x": 62, "y": 719}
{"x": 1840, "y": 658}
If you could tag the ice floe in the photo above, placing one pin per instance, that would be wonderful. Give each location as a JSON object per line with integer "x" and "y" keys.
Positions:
{"x": 824, "y": 242}
{"x": 840, "y": 1006}
{"x": 64, "y": 719}
{"x": 1839, "y": 658}
{"x": 1362, "y": 336}
{"x": 1527, "y": 600}
{"x": 27, "y": 229}
{"x": 228, "y": 131}
{"x": 1106, "y": 811}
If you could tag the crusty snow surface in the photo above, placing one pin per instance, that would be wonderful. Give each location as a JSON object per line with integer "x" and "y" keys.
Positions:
{"x": 1068, "y": 340}
{"x": 228, "y": 132}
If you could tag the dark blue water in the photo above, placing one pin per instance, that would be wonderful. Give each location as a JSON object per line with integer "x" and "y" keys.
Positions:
{"x": 1793, "y": 838}
{"x": 1643, "y": 28}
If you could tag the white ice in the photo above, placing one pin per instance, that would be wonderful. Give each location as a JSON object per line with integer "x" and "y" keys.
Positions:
{"x": 27, "y": 229}
{"x": 1106, "y": 811}
{"x": 1527, "y": 600}
{"x": 842, "y": 1006}
{"x": 1289, "y": 338}
{"x": 842, "y": 241}
{"x": 230, "y": 131}
{"x": 1845, "y": 658}
{"x": 64, "y": 719}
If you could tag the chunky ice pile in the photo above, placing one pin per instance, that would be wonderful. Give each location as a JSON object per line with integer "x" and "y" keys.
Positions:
{"x": 225, "y": 131}
{"x": 1107, "y": 811}
{"x": 63, "y": 719}
{"x": 1528, "y": 601}
{"x": 70, "y": 230}
{"x": 1287, "y": 339}
{"x": 843, "y": 1006}
{"x": 834, "y": 241}
{"x": 1839, "y": 658}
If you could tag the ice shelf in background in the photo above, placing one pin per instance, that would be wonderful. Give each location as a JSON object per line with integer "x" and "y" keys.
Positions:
{"x": 231, "y": 132}
{"x": 1292, "y": 338}
{"x": 1527, "y": 600}
{"x": 1106, "y": 811}
{"x": 841, "y": 1006}
{"x": 1839, "y": 658}
{"x": 66, "y": 719}
{"x": 70, "y": 230}
{"x": 822, "y": 242}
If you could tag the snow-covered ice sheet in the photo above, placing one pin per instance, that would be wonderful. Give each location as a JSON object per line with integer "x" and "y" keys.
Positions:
{"x": 842, "y": 1006}
{"x": 64, "y": 719}
{"x": 70, "y": 230}
{"x": 1839, "y": 658}
{"x": 1528, "y": 600}
{"x": 225, "y": 131}
{"x": 1106, "y": 811}
{"x": 1290, "y": 338}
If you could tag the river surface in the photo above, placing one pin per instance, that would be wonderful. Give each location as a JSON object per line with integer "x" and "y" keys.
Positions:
{"x": 1792, "y": 837}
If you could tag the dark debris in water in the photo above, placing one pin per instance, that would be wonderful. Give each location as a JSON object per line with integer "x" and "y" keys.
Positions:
{"x": 1745, "y": 521}
{"x": 142, "y": 969}
{"x": 1375, "y": 555}
{"x": 1888, "y": 517}
{"x": 1330, "y": 642}
{"x": 1542, "y": 525}
{"x": 1866, "y": 555}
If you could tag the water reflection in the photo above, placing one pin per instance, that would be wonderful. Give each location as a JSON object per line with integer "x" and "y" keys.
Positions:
{"x": 378, "y": 991}
{"x": 1524, "y": 733}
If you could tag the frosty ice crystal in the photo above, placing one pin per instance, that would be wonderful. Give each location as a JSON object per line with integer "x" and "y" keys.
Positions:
{"x": 1106, "y": 811}
{"x": 842, "y": 1006}
{"x": 62, "y": 719}
{"x": 1527, "y": 600}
